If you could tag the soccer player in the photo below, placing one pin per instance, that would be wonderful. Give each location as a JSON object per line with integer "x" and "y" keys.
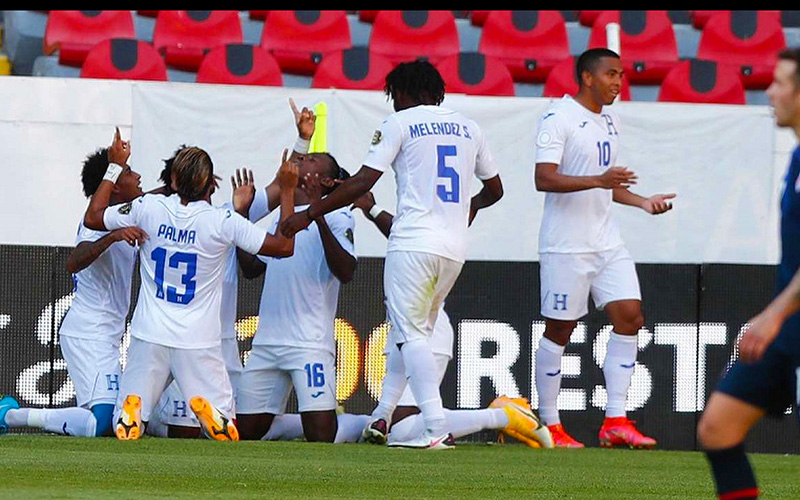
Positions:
{"x": 102, "y": 266}
{"x": 434, "y": 152}
{"x": 512, "y": 417}
{"x": 580, "y": 247}
{"x": 764, "y": 378}
{"x": 176, "y": 331}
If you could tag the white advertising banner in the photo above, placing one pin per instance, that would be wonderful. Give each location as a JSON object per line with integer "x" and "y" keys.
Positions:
{"x": 724, "y": 163}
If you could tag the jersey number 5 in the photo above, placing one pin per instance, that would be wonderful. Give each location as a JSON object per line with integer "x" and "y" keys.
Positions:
{"x": 159, "y": 255}
{"x": 446, "y": 173}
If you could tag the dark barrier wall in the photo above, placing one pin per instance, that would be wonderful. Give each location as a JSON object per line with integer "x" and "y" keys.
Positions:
{"x": 693, "y": 315}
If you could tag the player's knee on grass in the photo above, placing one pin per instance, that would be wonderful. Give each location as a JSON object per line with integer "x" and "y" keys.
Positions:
{"x": 253, "y": 427}
{"x": 104, "y": 416}
{"x": 319, "y": 426}
{"x": 183, "y": 432}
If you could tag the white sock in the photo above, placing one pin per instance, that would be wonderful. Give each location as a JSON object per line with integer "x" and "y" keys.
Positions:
{"x": 392, "y": 387}
{"x": 287, "y": 427}
{"x": 460, "y": 423}
{"x": 548, "y": 379}
{"x": 350, "y": 427}
{"x": 65, "y": 421}
{"x": 618, "y": 370}
{"x": 423, "y": 378}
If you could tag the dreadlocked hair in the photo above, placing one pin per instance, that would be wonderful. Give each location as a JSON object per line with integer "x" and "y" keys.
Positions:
{"x": 419, "y": 80}
{"x": 193, "y": 173}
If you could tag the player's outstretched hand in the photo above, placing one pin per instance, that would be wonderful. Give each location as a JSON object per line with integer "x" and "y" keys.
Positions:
{"x": 365, "y": 202}
{"x": 305, "y": 120}
{"x": 618, "y": 177}
{"x": 760, "y": 333}
{"x": 120, "y": 150}
{"x": 130, "y": 235}
{"x": 244, "y": 190}
{"x": 312, "y": 187}
{"x": 658, "y": 204}
{"x": 288, "y": 173}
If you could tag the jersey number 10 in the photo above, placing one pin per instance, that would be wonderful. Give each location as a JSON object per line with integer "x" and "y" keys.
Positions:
{"x": 159, "y": 255}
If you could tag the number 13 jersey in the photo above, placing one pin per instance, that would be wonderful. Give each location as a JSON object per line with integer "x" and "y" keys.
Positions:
{"x": 581, "y": 143}
{"x": 182, "y": 266}
{"x": 434, "y": 152}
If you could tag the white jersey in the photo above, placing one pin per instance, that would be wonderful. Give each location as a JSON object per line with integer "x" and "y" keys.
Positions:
{"x": 300, "y": 295}
{"x": 102, "y": 292}
{"x": 230, "y": 291}
{"x": 434, "y": 152}
{"x": 581, "y": 143}
{"x": 182, "y": 264}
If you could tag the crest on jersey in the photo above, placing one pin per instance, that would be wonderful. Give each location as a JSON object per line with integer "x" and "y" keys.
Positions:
{"x": 376, "y": 137}
{"x": 544, "y": 139}
{"x": 125, "y": 209}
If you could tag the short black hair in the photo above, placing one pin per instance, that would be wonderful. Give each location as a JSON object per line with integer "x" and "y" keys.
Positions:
{"x": 94, "y": 169}
{"x": 166, "y": 173}
{"x": 588, "y": 61}
{"x": 335, "y": 172}
{"x": 792, "y": 54}
{"x": 419, "y": 80}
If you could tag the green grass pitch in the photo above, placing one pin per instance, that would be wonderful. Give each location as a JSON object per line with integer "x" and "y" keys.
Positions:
{"x": 43, "y": 466}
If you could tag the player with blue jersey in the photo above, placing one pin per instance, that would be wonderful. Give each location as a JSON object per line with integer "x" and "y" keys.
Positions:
{"x": 176, "y": 330}
{"x": 764, "y": 380}
{"x": 90, "y": 334}
{"x": 434, "y": 152}
{"x": 581, "y": 251}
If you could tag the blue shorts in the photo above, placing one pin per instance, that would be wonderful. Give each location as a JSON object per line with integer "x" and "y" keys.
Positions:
{"x": 770, "y": 384}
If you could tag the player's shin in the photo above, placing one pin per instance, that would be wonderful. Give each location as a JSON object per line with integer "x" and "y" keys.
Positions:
{"x": 618, "y": 370}
{"x": 548, "y": 379}
{"x": 423, "y": 378}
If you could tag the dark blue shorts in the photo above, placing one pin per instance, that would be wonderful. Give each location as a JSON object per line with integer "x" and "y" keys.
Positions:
{"x": 770, "y": 384}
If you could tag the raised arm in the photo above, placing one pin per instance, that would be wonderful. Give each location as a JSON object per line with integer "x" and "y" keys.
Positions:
{"x": 341, "y": 263}
{"x": 380, "y": 217}
{"x": 118, "y": 155}
{"x": 277, "y": 244}
{"x": 548, "y": 179}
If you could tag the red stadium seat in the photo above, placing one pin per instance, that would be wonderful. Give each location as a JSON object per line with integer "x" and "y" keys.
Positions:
{"x": 239, "y": 64}
{"x": 258, "y": 15}
{"x": 73, "y": 32}
{"x": 124, "y": 59}
{"x": 299, "y": 38}
{"x": 355, "y": 68}
{"x": 699, "y": 81}
{"x": 184, "y": 36}
{"x": 148, "y": 13}
{"x": 478, "y": 17}
{"x": 367, "y": 16}
{"x": 588, "y": 17}
{"x": 749, "y": 41}
{"x": 476, "y": 74}
{"x": 562, "y": 80}
{"x": 647, "y": 43}
{"x": 528, "y": 42}
{"x": 701, "y": 17}
{"x": 411, "y": 34}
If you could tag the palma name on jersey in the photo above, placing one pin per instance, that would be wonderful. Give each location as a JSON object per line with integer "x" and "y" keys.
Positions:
{"x": 184, "y": 236}
{"x": 438, "y": 128}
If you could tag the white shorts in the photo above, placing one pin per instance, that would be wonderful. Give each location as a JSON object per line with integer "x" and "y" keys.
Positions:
{"x": 271, "y": 372}
{"x": 173, "y": 408}
{"x": 567, "y": 280}
{"x": 415, "y": 285}
{"x": 407, "y": 399}
{"x": 93, "y": 367}
{"x": 199, "y": 372}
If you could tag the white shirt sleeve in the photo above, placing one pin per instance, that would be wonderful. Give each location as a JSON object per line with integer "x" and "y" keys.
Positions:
{"x": 241, "y": 232}
{"x": 385, "y": 145}
{"x": 86, "y": 234}
{"x": 260, "y": 206}
{"x": 123, "y": 215}
{"x": 342, "y": 226}
{"x": 550, "y": 139}
{"x": 485, "y": 168}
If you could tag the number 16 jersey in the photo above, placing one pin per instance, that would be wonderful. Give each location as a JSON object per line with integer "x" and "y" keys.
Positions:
{"x": 182, "y": 265}
{"x": 434, "y": 152}
{"x": 581, "y": 143}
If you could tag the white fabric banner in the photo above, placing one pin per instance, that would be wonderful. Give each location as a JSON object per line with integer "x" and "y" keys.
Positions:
{"x": 724, "y": 162}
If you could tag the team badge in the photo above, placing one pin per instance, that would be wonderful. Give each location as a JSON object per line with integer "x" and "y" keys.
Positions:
{"x": 125, "y": 209}
{"x": 349, "y": 235}
{"x": 376, "y": 137}
{"x": 544, "y": 139}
